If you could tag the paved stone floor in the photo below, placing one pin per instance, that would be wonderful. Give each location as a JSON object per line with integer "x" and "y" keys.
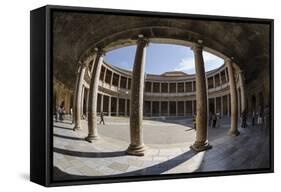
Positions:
{"x": 168, "y": 152}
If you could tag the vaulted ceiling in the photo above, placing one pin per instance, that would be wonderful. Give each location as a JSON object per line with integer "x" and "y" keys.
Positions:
{"x": 74, "y": 33}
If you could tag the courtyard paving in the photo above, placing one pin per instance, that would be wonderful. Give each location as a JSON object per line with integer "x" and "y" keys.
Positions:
{"x": 167, "y": 141}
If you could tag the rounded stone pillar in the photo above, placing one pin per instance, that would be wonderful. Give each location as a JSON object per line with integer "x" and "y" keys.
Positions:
{"x": 242, "y": 92}
{"x": 78, "y": 97}
{"x": 93, "y": 97}
{"x": 201, "y": 142}
{"x": 136, "y": 146}
{"x": 233, "y": 98}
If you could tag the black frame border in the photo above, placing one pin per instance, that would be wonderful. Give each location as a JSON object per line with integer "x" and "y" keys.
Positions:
{"x": 41, "y": 130}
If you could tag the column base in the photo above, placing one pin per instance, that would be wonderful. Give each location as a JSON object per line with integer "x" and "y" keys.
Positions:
{"x": 91, "y": 138}
{"x": 198, "y": 147}
{"x": 233, "y": 133}
{"x": 76, "y": 128}
{"x": 138, "y": 150}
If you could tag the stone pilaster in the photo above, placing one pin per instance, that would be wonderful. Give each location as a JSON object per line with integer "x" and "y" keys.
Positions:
{"x": 136, "y": 146}
{"x": 93, "y": 94}
{"x": 201, "y": 142}
{"x": 233, "y": 97}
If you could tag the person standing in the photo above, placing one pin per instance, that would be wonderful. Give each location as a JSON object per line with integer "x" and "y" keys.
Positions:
{"x": 57, "y": 113}
{"x": 71, "y": 117}
{"x": 260, "y": 121}
{"x": 253, "y": 118}
{"x": 194, "y": 121}
{"x": 210, "y": 119}
{"x": 214, "y": 120}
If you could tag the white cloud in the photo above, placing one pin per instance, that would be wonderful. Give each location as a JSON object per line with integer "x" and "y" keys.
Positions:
{"x": 187, "y": 64}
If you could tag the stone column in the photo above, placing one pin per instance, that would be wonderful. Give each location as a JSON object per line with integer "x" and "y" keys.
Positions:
{"x": 74, "y": 96}
{"x": 87, "y": 102}
{"x": 215, "y": 105}
{"x": 127, "y": 83}
{"x": 93, "y": 94}
{"x": 192, "y": 107}
{"x": 119, "y": 82}
{"x": 168, "y": 108}
{"x": 82, "y": 100}
{"x": 228, "y": 110}
{"x": 233, "y": 97}
{"x": 126, "y": 106}
{"x": 137, "y": 146}
{"x": 159, "y": 108}
{"x": 101, "y": 102}
{"x": 151, "y": 108}
{"x": 221, "y": 106}
{"x": 184, "y": 108}
{"x": 111, "y": 79}
{"x": 78, "y": 93}
{"x": 109, "y": 106}
{"x": 117, "y": 106}
{"x": 220, "y": 79}
{"x": 176, "y": 108}
{"x": 201, "y": 142}
{"x": 192, "y": 87}
{"x": 242, "y": 92}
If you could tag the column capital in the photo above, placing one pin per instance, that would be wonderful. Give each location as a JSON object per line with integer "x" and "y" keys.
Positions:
{"x": 100, "y": 52}
{"x": 229, "y": 60}
{"x": 197, "y": 47}
{"x": 143, "y": 41}
{"x": 90, "y": 55}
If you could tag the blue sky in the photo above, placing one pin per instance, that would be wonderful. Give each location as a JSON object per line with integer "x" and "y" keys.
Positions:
{"x": 161, "y": 58}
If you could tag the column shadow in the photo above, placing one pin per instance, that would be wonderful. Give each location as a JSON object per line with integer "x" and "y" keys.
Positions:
{"x": 60, "y": 127}
{"x": 69, "y": 137}
{"x": 150, "y": 171}
{"x": 89, "y": 154}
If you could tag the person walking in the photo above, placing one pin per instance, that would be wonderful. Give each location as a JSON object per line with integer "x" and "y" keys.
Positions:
{"x": 102, "y": 118}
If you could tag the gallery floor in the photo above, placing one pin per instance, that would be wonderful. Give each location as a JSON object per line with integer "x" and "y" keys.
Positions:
{"x": 167, "y": 142}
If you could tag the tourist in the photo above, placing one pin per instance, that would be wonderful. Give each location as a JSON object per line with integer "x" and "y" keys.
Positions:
{"x": 210, "y": 118}
{"x": 71, "y": 112}
{"x": 57, "y": 113}
{"x": 218, "y": 119}
{"x": 253, "y": 118}
{"x": 102, "y": 118}
{"x": 61, "y": 113}
{"x": 260, "y": 121}
{"x": 244, "y": 119}
{"x": 194, "y": 121}
{"x": 214, "y": 120}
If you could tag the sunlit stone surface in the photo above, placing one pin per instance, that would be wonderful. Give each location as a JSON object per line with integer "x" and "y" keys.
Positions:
{"x": 168, "y": 149}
